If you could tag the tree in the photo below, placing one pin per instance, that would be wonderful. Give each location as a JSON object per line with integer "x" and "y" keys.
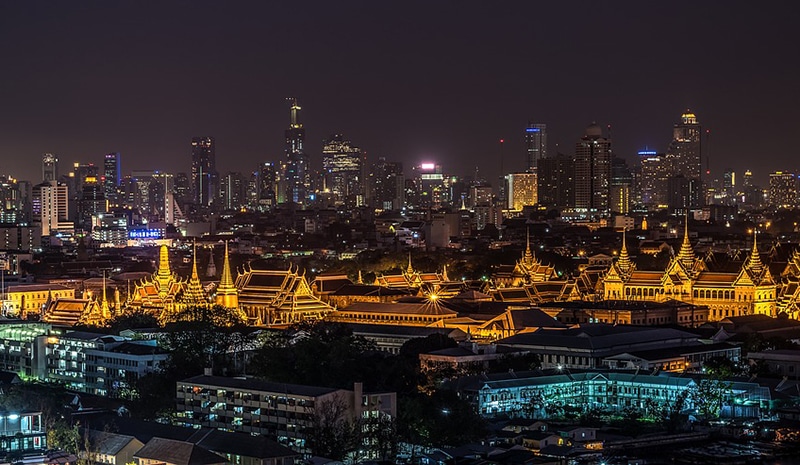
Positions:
{"x": 331, "y": 434}
{"x": 133, "y": 319}
{"x": 708, "y": 397}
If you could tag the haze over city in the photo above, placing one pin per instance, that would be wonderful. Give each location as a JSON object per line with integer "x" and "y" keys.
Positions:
{"x": 411, "y": 82}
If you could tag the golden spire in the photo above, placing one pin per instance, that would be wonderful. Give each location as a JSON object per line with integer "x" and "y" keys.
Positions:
{"x": 686, "y": 254}
{"x": 445, "y": 278}
{"x": 227, "y": 294}
{"x": 754, "y": 263}
{"x": 163, "y": 262}
{"x": 360, "y": 280}
{"x": 410, "y": 269}
{"x": 624, "y": 261}
{"x": 194, "y": 261}
{"x": 194, "y": 294}
{"x": 527, "y": 257}
{"x": 104, "y": 304}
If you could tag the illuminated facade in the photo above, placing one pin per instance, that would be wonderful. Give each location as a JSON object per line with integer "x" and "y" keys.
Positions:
{"x": 687, "y": 279}
{"x": 158, "y": 294}
{"x": 22, "y": 300}
{"x": 22, "y": 432}
{"x": 522, "y": 190}
{"x": 343, "y": 166}
{"x": 782, "y": 190}
{"x": 275, "y": 297}
{"x": 612, "y": 390}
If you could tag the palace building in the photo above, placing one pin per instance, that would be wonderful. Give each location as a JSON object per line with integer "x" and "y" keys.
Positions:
{"x": 687, "y": 279}
{"x": 277, "y": 297}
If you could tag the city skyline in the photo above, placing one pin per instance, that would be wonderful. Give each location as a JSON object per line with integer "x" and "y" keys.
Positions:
{"x": 93, "y": 80}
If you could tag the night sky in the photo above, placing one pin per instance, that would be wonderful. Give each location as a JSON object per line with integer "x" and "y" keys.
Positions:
{"x": 427, "y": 81}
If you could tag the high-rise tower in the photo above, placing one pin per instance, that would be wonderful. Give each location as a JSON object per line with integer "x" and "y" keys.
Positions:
{"x": 684, "y": 151}
{"x": 593, "y": 171}
{"x": 296, "y": 174}
{"x": 112, "y": 174}
{"x": 535, "y": 145}
{"x": 342, "y": 164}
{"x": 204, "y": 171}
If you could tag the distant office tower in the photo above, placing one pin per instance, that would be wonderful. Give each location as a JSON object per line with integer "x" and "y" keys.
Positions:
{"x": 620, "y": 186}
{"x": 80, "y": 173}
{"x": 684, "y": 152}
{"x": 161, "y": 199}
{"x": 297, "y": 172}
{"x": 49, "y": 167}
{"x": 679, "y": 190}
{"x": 387, "y": 183}
{"x": 232, "y": 191}
{"x": 593, "y": 171}
{"x": 49, "y": 205}
{"x": 729, "y": 187}
{"x": 428, "y": 189}
{"x": 183, "y": 189}
{"x": 782, "y": 190}
{"x": 91, "y": 202}
{"x": 10, "y": 201}
{"x": 342, "y": 166}
{"x": 556, "y": 181}
{"x": 204, "y": 171}
{"x": 112, "y": 174}
{"x": 535, "y": 144}
{"x": 521, "y": 190}
{"x": 267, "y": 185}
{"x": 653, "y": 182}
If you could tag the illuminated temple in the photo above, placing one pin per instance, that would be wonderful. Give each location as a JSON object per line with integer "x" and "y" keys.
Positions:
{"x": 411, "y": 278}
{"x": 165, "y": 293}
{"x": 528, "y": 270}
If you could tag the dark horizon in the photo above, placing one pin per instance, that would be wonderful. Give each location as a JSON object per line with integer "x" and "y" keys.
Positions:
{"x": 411, "y": 82}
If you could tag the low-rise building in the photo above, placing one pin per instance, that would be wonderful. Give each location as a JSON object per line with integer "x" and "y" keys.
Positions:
{"x": 22, "y": 432}
{"x": 285, "y": 412}
{"x": 587, "y": 345}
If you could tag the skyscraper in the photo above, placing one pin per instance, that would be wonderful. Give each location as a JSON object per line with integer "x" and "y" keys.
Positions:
{"x": 521, "y": 190}
{"x": 342, "y": 165}
{"x": 388, "y": 185}
{"x": 782, "y": 190}
{"x": 556, "y": 181}
{"x": 204, "y": 171}
{"x": 653, "y": 183}
{"x": 684, "y": 151}
{"x": 593, "y": 171}
{"x": 112, "y": 174}
{"x": 50, "y": 209}
{"x": 49, "y": 167}
{"x": 535, "y": 145}
{"x": 296, "y": 174}
{"x": 267, "y": 185}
